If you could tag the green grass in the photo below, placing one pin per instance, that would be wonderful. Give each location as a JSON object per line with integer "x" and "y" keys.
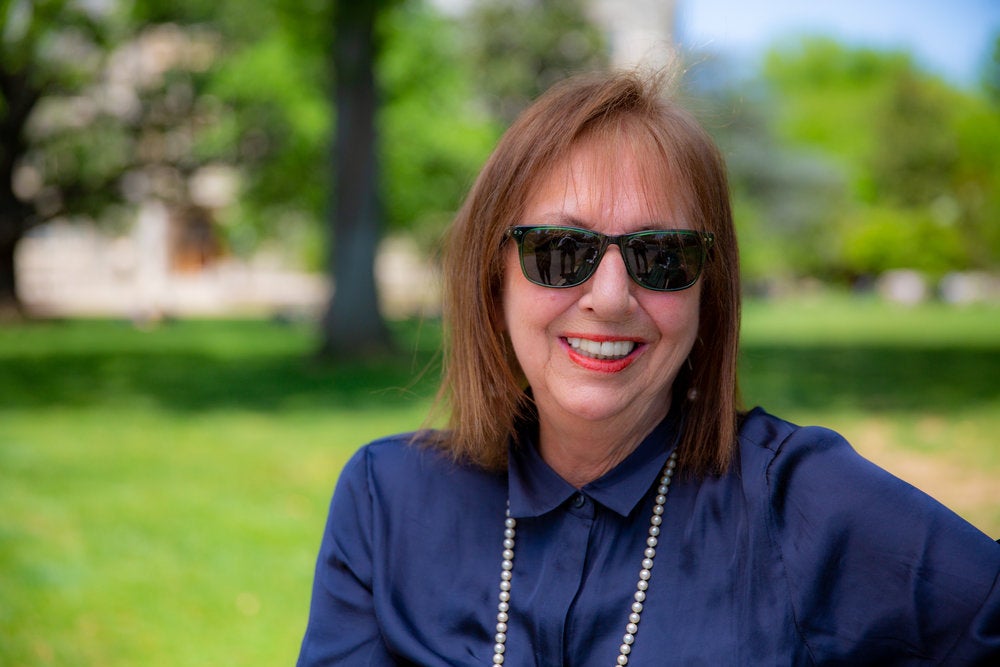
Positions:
{"x": 162, "y": 492}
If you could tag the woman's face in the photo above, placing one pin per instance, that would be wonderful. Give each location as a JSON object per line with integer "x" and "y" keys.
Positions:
{"x": 555, "y": 332}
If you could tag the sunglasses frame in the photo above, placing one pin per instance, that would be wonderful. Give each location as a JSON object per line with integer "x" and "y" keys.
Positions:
{"x": 705, "y": 241}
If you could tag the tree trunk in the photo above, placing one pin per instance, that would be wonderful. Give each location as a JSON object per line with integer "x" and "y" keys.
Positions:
{"x": 19, "y": 98}
{"x": 353, "y": 324}
{"x": 10, "y": 303}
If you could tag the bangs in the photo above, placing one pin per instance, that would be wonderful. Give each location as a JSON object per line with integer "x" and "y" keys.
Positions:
{"x": 628, "y": 162}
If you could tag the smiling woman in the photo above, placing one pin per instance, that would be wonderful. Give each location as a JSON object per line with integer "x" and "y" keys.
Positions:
{"x": 600, "y": 357}
{"x": 593, "y": 299}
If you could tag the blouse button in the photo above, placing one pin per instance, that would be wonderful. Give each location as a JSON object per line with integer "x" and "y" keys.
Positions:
{"x": 579, "y": 500}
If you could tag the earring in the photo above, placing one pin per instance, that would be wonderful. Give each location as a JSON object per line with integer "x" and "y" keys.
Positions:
{"x": 692, "y": 392}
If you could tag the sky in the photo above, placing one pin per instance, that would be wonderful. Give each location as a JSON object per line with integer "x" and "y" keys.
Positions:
{"x": 951, "y": 38}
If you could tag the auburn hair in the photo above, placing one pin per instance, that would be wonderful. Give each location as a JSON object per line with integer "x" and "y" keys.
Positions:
{"x": 482, "y": 390}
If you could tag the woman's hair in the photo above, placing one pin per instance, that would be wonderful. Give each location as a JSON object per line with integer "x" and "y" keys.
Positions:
{"x": 483, "y": 389}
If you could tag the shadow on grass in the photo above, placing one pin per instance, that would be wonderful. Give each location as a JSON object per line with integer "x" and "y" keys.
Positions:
{"x": 186, "y": 381}
{"x": 203, "y": 365}
{"x": 870, "y": 377}
{"x": 256, "y": 366}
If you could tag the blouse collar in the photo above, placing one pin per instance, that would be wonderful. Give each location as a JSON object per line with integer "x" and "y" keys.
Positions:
{"x": 534, "y": 488}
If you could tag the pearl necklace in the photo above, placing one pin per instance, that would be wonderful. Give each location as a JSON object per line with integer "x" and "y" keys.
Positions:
{"x": 632, "y": 627}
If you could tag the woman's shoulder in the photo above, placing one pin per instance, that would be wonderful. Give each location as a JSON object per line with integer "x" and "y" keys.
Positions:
{"x": 813, "y": 476}
{"x": 815, "y": 464}
{"x": 851, "y": 536}
{"x": 767, "y": 435}
{"x": 407, "y": 460}
{"x": 770, "y": 446}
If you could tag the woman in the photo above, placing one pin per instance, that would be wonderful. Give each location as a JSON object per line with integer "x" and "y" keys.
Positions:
{"x": 546, "y": 526}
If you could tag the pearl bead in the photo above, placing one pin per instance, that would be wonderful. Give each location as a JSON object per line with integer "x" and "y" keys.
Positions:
{"x": 502, "y": 627}
{"x": 656, "y": 520}
{"x": 642, "y": 585}
{"x": 633, "y": 617}
{"x": 631, "y": 628}
{"x": 644, "y": 574}
{"x": 624, "y": 649}
{"x": 637, "y": 607}
{"x": 640, "y": 596}
{"x": 628, "y": 638}
{"x": 622, "y": 660}
{"x": 650, "y": 552}
{"x": 497, "y": 659}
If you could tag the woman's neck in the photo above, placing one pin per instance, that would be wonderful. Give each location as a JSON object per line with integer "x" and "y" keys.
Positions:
{"x": 581, "y": 451}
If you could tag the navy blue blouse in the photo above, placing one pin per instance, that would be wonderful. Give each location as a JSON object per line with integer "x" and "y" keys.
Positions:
{"x": 803, "y": 554}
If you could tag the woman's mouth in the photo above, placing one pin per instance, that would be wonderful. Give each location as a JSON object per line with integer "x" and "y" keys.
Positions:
{"x": 603, "y": 350}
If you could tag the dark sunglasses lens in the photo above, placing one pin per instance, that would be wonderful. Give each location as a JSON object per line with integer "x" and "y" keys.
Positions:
{"x": 664, "y": 261}
{"x": 558, "y": 257}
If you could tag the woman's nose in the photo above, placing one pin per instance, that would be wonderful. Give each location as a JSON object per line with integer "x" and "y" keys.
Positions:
{"x": 608, "y": 293}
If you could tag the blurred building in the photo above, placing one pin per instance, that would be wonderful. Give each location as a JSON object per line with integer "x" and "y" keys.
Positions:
{"x": 639, "y": 32}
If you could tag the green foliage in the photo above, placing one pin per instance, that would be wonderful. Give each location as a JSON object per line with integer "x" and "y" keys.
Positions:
{"x": 883, "y": 238}
{"x": 262, "y": 105}
{"x": 434, "y": 135}
{"x": 991, "y": 73}
{"x": 911, "y": 166}
{"x": 826, "y": 93}
{"x": 521, "y": 47}
{"x": 277, "y": 127}
{"x": 276, "y": 91}
{"x": 785, "y": 197}
{"x": 913, "y": 150}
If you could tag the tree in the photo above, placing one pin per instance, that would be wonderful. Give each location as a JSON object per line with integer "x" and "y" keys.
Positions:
{"x": 101, "y": 111}
{"x": 785, "y": 197}
{"x": 352, "y": 323}
{"x": 521, "y": 47}
{"x": 46, "y": 47}
{"x": 914, "y": 151}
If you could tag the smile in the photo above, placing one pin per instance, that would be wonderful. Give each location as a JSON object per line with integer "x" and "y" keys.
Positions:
{"x": 609, "y": 349}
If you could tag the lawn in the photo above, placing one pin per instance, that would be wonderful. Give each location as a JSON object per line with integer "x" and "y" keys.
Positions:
{"x": 162, "y": 491}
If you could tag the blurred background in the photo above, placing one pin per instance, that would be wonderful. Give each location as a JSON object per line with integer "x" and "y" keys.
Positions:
{"x": 219, "y": 234}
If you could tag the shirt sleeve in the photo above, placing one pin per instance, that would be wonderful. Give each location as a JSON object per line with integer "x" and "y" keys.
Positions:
{"x": 877, "y": 571}
{"x": 342, "y": 628}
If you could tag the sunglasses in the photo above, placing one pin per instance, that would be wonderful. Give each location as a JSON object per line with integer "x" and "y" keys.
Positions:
{"x": 665, "y": 260}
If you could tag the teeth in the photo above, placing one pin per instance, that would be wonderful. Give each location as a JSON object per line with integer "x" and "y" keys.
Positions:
{"x": 602, "y": 350}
